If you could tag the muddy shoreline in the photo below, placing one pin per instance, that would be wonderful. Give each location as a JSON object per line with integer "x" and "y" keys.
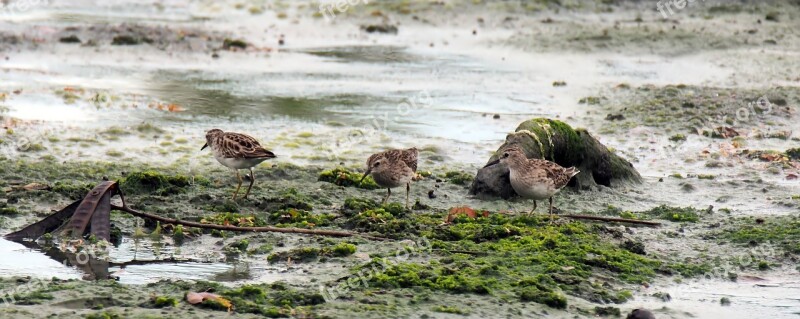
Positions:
{"x": 704, "y": 104}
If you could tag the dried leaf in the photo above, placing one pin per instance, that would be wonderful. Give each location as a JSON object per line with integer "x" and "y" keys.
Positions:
{"x": 198, "y": 297}
{"x": 791, "y": 176}
{"x": 463, "y": 210}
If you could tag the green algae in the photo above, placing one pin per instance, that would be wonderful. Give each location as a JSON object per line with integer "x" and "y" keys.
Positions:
{"x": 674, "y": 214}
{"x": 677, "y": 138}
{"x": 164, "y": 301}
{"x": 104, "y": 315}
{"x": 450, "y": 309}
{"x": 344, "y": 249}
{"x": 306, "y": 254}
{"x": 152, "y": 182}
{"x": 547, "y": 133}
{"x": 781, "y": 231}
{"x": 72, "y": 190}
{"x": 288, "y": 199}
{"x": 272, "y": 301}
{"x": 553, "y": 260}
{"x": 343, "y": 177}
{"x": 459, "y": 178}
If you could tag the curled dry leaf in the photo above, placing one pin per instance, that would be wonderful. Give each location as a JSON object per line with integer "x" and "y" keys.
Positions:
{"x": 463, "y": 210}
{"x": 198, "y": 297}
{"x": 791, "y": 176}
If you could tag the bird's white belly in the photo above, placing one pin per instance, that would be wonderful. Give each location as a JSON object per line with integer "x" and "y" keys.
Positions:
{"x": 530, "y": 189}
{"x": 239, "y": 163}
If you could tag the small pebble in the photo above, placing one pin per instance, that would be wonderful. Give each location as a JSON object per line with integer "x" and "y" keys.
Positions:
{"x": 496, "y": 116}
{"x": 431, "y": 194}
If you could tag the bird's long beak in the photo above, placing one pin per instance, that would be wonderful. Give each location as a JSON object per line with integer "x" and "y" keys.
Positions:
{"x": 492, "y": 163}
{"x": 365, "y": 176}
{"x": 204, "y": 146}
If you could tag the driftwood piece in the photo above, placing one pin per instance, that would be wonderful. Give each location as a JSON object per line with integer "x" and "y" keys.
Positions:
{"x": 558, "y": 142}
{"x": 44, "y": 226}
{"x": 95, "y": 209}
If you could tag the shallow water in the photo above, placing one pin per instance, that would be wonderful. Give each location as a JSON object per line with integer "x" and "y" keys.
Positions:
{"x": 388, "y": 91}
{"x": 19, "y": 260}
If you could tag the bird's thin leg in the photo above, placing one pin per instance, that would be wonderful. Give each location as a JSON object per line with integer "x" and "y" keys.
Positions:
{"x": 408, "y": 189}
{"x": 239, "y": 177}
{"x": 387, "y": 196}
{"x": 252, "y": 181}
{"x": 534, "y": 207}
{"x": 551, "y": 209}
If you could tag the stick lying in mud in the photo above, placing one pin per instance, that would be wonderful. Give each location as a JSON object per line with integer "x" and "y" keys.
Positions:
{"x": 612, "y": 219}
{"x": 319, "y": 232}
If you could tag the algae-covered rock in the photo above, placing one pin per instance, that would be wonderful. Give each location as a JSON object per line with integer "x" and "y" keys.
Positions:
{"x": 556, "y": 141}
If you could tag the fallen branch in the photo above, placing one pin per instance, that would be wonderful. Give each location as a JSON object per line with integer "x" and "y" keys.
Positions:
{"x": 264, "y": 229}
{"x": 612, "y": 219}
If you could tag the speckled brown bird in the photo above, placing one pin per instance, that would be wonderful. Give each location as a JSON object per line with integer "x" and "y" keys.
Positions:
{"x": 393, "y": 168}
{"x": 237, "y": 151}
{"x": 534, "y": 178}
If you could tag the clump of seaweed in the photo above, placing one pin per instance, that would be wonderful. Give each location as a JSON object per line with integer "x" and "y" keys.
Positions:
{"x": 343, "y": 177}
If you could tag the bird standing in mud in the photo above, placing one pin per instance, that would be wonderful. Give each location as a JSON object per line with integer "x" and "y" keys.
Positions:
{"x": 237, "y": 151}
{"x": 534, "y": 178}
{"x": 393, "y": 168}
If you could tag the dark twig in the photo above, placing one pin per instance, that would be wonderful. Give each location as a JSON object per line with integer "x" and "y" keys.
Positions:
{"x": 612, "y": 219}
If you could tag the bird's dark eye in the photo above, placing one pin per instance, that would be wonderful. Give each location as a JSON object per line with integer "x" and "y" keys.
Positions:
{"x": 505, "y": 155}
{"x": 377, "y": 164}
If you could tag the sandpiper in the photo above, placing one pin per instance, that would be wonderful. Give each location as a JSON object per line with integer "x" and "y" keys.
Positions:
{"x": 534, "y": 178}
{"x": 237, "y": 151}
{"x": 393, "y": 168}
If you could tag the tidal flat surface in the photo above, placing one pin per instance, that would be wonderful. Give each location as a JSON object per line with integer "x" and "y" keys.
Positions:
{"x": 127, "y": 89}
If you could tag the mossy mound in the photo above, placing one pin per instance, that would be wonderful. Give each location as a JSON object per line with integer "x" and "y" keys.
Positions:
{"x": 556, "y": 141}
{"x": 152, "y": 182}
{"x": 343, "y": 177}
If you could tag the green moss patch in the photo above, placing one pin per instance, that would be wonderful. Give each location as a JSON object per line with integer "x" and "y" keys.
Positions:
{"x": 675, "y": 214}
{"x": 520, "y": 257}
{"x": 783, "y": 232}
{"x": 152, "y": 182}
{"x": 459, "y": 178}
{"x": 306, "y": 254}
{"x": 343, "y": 177}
